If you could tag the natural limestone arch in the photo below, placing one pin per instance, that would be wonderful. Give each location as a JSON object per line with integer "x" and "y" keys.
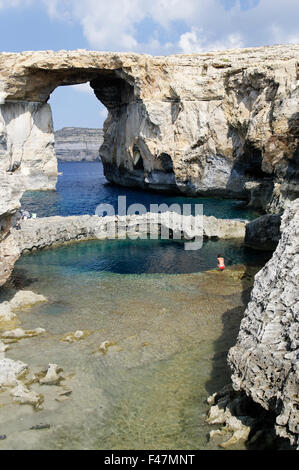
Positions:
{"x": 218, "y": 124}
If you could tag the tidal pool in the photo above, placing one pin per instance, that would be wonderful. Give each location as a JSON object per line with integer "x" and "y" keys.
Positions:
{"x": 168, "y": 320}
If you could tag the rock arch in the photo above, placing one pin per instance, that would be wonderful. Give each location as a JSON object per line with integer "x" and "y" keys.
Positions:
{"x": 194, "y": 118}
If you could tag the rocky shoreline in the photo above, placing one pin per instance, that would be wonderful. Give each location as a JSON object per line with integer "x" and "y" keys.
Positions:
{"x": 52, "y": 231}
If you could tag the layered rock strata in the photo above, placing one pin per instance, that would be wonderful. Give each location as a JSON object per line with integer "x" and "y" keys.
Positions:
{"x": 264, "y": 361}
{"x": 197, "y": 124}
{"x": 73, "y": 144}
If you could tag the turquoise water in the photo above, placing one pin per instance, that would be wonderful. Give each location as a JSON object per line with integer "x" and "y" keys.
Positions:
{"x": 167, "y": 318}
{"x": 82, "y": 186}
{"x": 168, "y": 322}
{"x": 141, "y": 257}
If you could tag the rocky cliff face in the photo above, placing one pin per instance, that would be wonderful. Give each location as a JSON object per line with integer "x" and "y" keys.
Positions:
{"x": 27, "y": 144}
{"x": 198, "y": 124}
{"x": 74, "y": 144}
{"x": 264, "y": 361}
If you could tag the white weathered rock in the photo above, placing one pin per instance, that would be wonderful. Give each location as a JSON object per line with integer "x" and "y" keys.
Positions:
{"x": 10, "y": 371}
{"x": 3, "y": 347}
{"x": 52, "y": 376}
{"x": 19, "y": 333}
{"x": 6, "y": 313}
{"x": 234, "y": 425}
{"x": 27, "y": 144}
{"x": 22, "y": 395}
{"x": 78, "y": 334}
{"x": 23, "y": 299}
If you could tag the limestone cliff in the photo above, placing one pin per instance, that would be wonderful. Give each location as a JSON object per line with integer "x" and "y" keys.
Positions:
{"x": 27, "y": 144}
{"x": 265, "y": 359}
{"x": 74, "y": 144}
{"x": 207, "y": 123}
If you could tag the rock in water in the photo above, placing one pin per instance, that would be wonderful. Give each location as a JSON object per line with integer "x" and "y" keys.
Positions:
{"x": 23, "y": 299}
{"x": 22, "y": 395}
{"x": 52, "y": 376}
{"x": 10, "y": 371}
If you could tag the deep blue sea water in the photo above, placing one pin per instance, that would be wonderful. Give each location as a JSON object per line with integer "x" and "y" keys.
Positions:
{"x": 82, "y": 186}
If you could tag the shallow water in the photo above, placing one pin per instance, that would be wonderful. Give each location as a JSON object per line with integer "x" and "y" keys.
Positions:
{"x": 82, "y": 186}
{"x": 169, "y": 335}
{"x": 168, "y": 320}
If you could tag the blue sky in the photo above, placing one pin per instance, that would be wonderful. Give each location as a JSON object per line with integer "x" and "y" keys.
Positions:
{"x": 156, "y": 27}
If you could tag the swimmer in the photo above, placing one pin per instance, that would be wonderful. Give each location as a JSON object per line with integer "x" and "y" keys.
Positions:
{"x": 220, "y": 262}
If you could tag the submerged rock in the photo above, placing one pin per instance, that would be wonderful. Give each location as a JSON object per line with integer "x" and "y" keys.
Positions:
{"x": 6, "y": 313}
{"x": 76, "y": 336}
{"x": 104, "y": 346}
{"x": 19, "y": 333}
{"x": 22, "y": 395}
{"x": 263, "y": 233}
{"x": 38, "y": 427}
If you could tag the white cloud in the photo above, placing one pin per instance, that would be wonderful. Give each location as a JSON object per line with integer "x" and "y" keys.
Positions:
{"x": 113, "y": 25}
{"x": 116, "y": 25}
{"x": 196, "y": 41}
{"x": 14, "y": 3}
{"x": 83, "y": 88}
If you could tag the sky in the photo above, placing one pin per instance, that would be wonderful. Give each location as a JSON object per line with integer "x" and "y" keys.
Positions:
{"x": 158, "y": 27}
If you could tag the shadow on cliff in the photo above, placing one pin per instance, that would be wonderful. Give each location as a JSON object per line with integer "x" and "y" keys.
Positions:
{"x": 250, "y": 164}
{"x": 231, "y": 320}
{"x": 262, "y": 435}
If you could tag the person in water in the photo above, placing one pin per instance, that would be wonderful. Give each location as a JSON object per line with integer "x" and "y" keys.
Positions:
{"x": 220, "y": 262}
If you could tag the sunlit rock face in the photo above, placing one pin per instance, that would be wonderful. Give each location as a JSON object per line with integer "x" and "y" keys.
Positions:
{"x": 208, "y": 124}
{"x": 27, "y": 144}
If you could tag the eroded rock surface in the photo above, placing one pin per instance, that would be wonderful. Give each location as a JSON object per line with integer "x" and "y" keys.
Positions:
{"x": 264, "y": 361}
{"x": 197, "y": 124}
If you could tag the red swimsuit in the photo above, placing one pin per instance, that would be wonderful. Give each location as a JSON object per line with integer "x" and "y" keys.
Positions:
{"x": 221, "y": 264}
